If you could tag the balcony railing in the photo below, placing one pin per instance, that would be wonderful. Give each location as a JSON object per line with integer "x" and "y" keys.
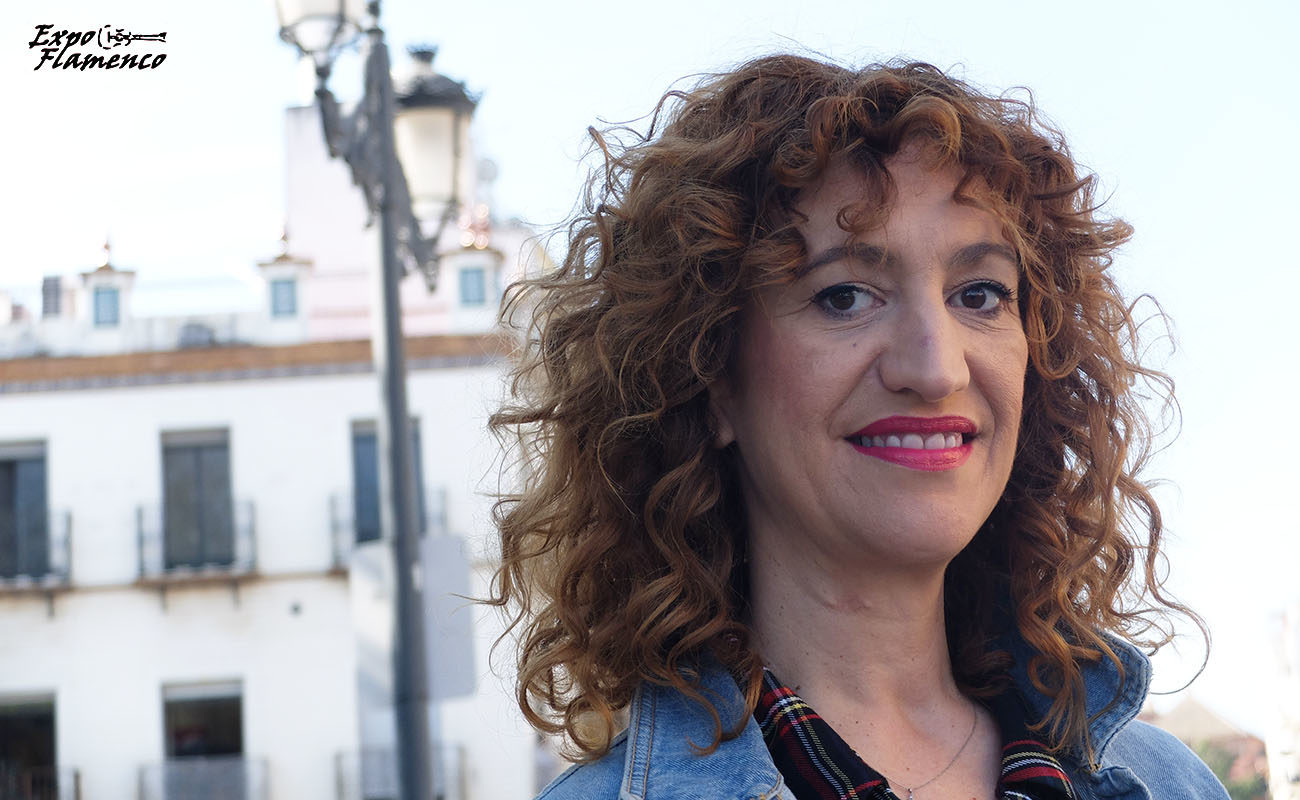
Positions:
{"x": 204, "y": 778}
{"x": 40, "y": 562}
{"x": 39, "y": 783}
{"x": 372, "y": 774}
{"x": 203, "y": 548}
{"x": 345, "y": 532}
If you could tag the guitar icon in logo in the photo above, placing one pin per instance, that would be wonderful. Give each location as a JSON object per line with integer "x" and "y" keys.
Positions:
{"x": 108, "y": 39}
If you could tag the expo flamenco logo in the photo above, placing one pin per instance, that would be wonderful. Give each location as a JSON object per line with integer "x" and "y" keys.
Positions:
{"x": 62, "y": 49}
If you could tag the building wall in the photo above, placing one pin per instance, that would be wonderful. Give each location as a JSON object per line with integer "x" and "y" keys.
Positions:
{"x": 291, "y": 634}
{"x": 109, "y": 645}
{"x": 105, "y": 656}
{"x": 325, "y": 213}
{"x": 1284, "y": 739}
{"x": 501, "y": 750}
{"x": 327, "y": 226}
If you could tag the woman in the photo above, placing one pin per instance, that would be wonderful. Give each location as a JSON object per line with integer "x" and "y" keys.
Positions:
{"x": 830, "y": 406}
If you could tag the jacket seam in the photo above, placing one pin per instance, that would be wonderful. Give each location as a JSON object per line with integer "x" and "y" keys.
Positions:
{"x": 638, "y": 765}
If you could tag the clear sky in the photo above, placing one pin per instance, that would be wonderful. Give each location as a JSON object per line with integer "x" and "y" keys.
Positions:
{"x": 1187, "y": 110}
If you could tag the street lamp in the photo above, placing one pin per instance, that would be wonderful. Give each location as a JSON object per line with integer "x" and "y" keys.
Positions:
{"x": 431, "y": 126}
{"x": 320, "y": 29}
{"x": 364, "y": 138}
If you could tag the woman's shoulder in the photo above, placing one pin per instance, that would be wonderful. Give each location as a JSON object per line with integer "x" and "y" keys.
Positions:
{"x": 1166, "y": 766}
{"x": 597, "y": 780}
{"x": 662, "y": 753}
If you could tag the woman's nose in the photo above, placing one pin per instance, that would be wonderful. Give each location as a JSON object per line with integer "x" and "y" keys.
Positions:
{"x": 926, "y": 353}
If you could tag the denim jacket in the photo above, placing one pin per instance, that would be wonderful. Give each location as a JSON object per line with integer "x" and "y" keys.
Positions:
{"x": 654, "y": 759}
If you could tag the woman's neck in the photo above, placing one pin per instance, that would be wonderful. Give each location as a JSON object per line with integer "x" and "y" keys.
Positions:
{"x": 865, "y": 644}
{"x": 873, "y": 641}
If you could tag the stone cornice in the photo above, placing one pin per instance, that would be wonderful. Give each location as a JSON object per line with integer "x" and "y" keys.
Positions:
{"x": 240, "y": 363}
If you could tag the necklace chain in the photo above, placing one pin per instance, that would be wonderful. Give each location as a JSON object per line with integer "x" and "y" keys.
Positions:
{"x": 973, "y": 720}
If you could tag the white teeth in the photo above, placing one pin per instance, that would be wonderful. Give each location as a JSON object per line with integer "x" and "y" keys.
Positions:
{"x": 913, "y": 441}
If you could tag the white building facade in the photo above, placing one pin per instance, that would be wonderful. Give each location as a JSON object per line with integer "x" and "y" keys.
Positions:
{"x": 194, "y": 601}
{"x": 1284, "y": 741}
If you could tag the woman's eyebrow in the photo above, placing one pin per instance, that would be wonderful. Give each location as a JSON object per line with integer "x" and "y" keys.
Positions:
{"x": 972, "y": 254}
{"x": 869, "y": 254}
{"x": 876, "y": 256}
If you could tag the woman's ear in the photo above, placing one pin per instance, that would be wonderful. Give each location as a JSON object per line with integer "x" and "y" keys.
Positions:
{"x": 720, "y": 399}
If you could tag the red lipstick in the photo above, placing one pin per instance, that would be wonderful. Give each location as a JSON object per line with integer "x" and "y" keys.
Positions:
{"x": 919, "y": 458}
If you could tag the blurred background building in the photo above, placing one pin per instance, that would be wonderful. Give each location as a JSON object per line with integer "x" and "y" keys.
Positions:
{"x": 194, "y": 597}
{"x": 1237, "y": 757}
{"x": 1284, "y": 743}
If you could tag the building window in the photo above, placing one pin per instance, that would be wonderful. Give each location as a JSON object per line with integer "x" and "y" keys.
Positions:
{"x": 24, "y": 531}
{"x": 365, "y": 479}
{"x": 28, "y": 768}
{"x": 473, "y": 286}
{"x": 284, "y": 297}
{"x": 204, "y": 735}
{"x": 196, "y": 334}
{"x": 51, "y": 296}
{"x": 198, "y": 518}
{"x": 106, "y": 306}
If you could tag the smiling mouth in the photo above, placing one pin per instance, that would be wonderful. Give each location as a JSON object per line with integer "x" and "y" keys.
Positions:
{"x": 914, "y": 441}
{"x": 929, "y": 444}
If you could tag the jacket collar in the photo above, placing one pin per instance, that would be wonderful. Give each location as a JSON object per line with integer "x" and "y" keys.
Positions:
{"x": 666, "y": 729}
{"x": 1111, "y": 700}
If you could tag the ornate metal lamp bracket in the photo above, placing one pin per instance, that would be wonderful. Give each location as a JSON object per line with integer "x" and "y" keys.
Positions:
{"x": 373, "y": 160}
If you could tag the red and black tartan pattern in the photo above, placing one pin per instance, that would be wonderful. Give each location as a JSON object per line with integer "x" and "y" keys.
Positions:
{"x": 818, "y": 765}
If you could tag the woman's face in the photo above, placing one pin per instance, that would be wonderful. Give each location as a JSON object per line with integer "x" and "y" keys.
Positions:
{"x": 875, "y": 401}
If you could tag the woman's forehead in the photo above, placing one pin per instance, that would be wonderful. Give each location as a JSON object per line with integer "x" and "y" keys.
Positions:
{"x": 854, "y": 201}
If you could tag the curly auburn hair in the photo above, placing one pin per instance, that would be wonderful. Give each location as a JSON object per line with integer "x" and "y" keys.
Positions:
{"x": 622, "y": 556}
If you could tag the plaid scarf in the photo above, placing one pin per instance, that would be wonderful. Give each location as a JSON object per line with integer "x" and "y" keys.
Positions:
{"x": 818, "y": 765}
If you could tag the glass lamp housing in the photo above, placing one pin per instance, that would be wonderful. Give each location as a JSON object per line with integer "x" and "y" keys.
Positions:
{"x": 320, "y": 28}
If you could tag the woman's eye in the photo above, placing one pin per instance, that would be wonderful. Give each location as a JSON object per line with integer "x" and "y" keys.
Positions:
{"x": 843, "y": 299}
{"x": 984, "y": 296}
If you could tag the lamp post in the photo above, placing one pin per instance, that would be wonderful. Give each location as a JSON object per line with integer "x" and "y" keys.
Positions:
{"x": 364, "y": 138}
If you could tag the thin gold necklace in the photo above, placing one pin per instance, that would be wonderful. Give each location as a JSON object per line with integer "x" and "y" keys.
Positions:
{"x": 974, "y": 718}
